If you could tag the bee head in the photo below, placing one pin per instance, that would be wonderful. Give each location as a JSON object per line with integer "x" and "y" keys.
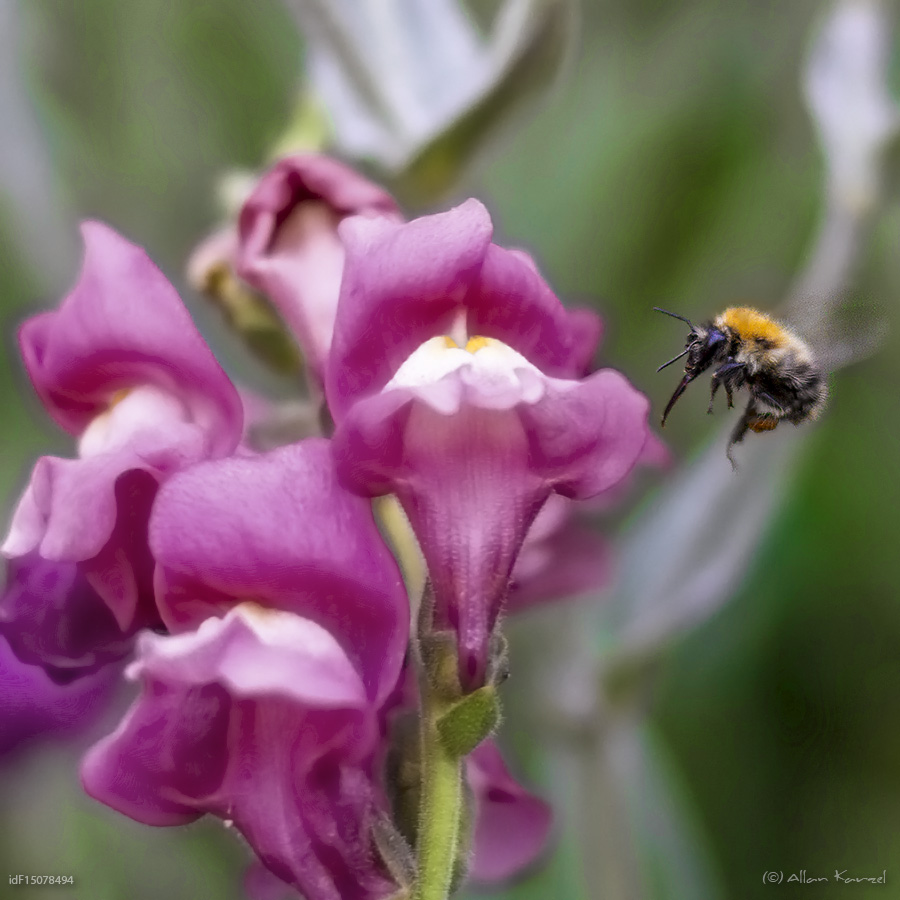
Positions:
{"x": 704, "y": 345}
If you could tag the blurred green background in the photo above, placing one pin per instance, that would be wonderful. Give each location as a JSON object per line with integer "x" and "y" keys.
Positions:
{"x": 672, "y": 164}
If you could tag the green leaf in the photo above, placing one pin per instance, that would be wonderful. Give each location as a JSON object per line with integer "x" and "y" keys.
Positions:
{"x": 469, "y": 721}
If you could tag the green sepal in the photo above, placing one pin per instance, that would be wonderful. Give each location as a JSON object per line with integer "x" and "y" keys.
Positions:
{"x": 498, "y": 660}
{"x": 441, "y": 663}
{"x": 469, "y": 721}
{"x": 403, "y": 775}
{"x": 395, "y": 853}
{"x": 254, "y": 319}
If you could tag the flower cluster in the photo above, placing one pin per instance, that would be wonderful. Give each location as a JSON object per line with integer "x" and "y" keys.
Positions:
{"x": 259, "y": 607}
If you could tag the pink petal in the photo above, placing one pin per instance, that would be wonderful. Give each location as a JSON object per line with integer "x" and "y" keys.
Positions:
{"x": 289, "y": 248}
{"x": 279, "y": 530}
{"x": 124, "y": 325}
{"x": 513, "y": 304}
{"x": 283, "y": 756}
{"x": 590, "y": 437}
{"x": 34, "y": 707}
{"x": 512, "y": 825}
{"x": 402, "y": 285}
{"x": 254, "y": 652}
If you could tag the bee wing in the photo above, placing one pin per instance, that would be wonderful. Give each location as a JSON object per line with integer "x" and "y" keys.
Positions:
{"x": 836, "y": 347}
{"x": 839, "y": 332}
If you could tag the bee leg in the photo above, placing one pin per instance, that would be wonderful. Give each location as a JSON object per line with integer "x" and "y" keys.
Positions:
{"x": 730, "y": 376}
{"x": 731, "y": 459}
{"x": 740, "y": 430}
{"x": 712, "y": 394}
{"x": 714, "y": 386}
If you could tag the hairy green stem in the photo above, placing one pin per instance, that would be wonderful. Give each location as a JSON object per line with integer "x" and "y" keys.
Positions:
{"x": 441, "y": 810}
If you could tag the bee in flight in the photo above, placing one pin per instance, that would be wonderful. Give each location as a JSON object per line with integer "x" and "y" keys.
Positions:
{"x": 749, "y": 348}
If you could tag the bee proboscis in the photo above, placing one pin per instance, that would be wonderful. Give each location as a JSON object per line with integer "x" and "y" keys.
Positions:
{"x": 750, "y": 349}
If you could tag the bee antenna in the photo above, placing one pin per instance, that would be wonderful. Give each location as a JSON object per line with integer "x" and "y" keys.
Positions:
{"x": 674, "y": 359}
{"x": 674, "y": 316}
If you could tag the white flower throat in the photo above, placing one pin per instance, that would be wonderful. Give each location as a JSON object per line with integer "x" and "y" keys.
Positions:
{"x": 485, "y": 364}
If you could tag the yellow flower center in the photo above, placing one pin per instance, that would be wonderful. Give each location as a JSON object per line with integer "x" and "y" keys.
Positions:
{"x": 473, "y": 345}
{"x": 117, "y": 398}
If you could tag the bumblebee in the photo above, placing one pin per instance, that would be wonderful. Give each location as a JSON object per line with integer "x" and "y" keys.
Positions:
{"x": 750, "y": 349}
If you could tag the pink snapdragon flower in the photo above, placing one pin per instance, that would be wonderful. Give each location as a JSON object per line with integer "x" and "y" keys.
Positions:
{"x": 261, "y": 719}
{"x": 121, "y": 367}
{"x": 266, "y": 707}
{"x": 286, "y": 243}
{"x": 290, "y": 626}
{"x": 454, "y": 380}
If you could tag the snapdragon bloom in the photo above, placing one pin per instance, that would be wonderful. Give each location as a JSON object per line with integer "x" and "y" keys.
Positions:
{"x": 266, "y": 707}
{"x": 286, "y": 244}
{"x": 259, "y": 718}
{"x": 290, "y": 625}
{"x": 454, "y": 381}
{"x": 121, "y": 367}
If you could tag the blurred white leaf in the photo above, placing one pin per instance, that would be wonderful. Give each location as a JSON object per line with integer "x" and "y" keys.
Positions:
{"x": 690, "y": 549}
{"x": 670, "y": 841}
{"x": 629, "y": 813}
{"x": 387, "y": 69}
{"x": 846, "y": 88}
{"x": 395, "y": 74}
{"x": 846, "y": 85}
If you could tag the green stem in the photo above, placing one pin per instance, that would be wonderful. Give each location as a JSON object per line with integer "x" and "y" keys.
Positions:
{"x": 441, "y": 810}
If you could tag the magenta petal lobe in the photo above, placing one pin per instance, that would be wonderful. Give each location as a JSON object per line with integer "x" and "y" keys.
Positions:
{"x": 279, "y": 530}
{"x": 512, "y": 825}
{"x": 289, "y": 246}
{"x": 121, "y": 326}
{"x": 402, "y": 285}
